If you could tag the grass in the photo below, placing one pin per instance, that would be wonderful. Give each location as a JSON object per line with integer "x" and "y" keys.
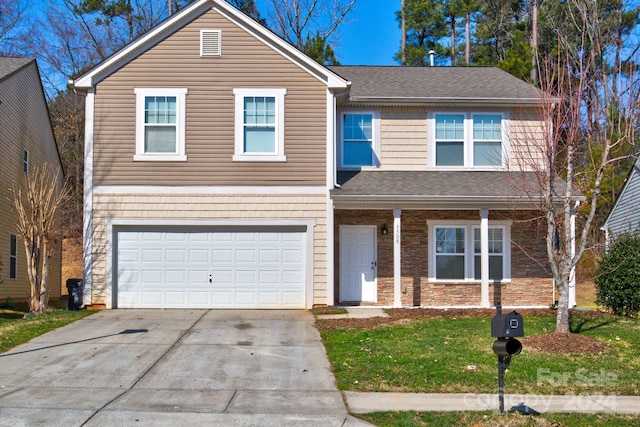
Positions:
{"x": 493, "y": 419}
{"x": 15, "y": 330}
{"x": 444, "y": 355}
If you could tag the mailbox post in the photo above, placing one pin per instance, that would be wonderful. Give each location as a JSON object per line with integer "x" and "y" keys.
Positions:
{"x": 505, "y": 327}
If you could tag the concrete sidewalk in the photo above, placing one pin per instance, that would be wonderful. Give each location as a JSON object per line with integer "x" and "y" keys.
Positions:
{"x": 362, "y": 403}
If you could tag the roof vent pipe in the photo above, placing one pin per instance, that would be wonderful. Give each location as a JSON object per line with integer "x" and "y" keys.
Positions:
{"x": 432, "y": 54}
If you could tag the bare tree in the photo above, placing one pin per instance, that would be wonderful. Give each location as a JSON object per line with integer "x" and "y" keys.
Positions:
{"x": 591, "y": 101}
{"x": 293, "y": 20}
{"x": 15, "y": 27}
{"x": 36, "y": 202}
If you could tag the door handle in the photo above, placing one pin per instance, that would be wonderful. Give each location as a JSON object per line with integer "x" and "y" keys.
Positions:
{"x": 374, "y": 264}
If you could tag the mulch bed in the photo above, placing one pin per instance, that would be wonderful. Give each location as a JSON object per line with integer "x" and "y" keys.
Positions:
{"x": 548, "y": 343}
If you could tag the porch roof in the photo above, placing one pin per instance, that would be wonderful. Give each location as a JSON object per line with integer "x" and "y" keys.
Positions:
{"x": 441, "y": 189}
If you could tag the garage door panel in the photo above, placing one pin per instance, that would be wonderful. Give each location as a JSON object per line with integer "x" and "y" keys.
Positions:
{"x": 214, "y": 269}
{"x": 151, "y": 256}
{"x": 176, "y": 255}
{"x": 268, "y": 277}
{"x": 246, "y": 277}
{"x": 269, "y": 298}
{"x": 222, "y": 255}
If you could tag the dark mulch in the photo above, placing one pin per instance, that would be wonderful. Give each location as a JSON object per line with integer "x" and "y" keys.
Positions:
{"x": 564, "y": 343}
{"x": 548, "y": 343}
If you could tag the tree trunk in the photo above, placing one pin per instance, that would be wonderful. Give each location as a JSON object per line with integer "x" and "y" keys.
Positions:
{"x": 562, "y": 317}
{"x": 467, "y": 38}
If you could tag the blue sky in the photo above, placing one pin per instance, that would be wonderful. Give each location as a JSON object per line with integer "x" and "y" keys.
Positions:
{"x": 370, "y": 36}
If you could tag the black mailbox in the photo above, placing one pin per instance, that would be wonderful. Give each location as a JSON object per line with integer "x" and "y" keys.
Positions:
{"x": 507, "y": 325}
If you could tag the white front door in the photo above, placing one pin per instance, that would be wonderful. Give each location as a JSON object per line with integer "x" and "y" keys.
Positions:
{"x": 358, "y": 263}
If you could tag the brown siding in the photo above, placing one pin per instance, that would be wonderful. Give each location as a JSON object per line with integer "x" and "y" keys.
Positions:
{"x": 24, "y": 123}
{"x": 245, "y": 63}
{"x": 530, "y": 284}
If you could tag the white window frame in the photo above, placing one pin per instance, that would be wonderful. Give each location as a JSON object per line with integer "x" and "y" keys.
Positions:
{"x": 13, "y": 257}
{"x": 375, "y": 124}
{"x": 240, "y": 155}
{"x": 181, "y": 96}
{"x": 468, "y": 161}
{"x": 469, "y": 252}
{"x": 25, "y": 161}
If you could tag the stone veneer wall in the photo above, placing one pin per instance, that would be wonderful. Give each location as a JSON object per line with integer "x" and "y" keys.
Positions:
{"x": 530, "y": 284}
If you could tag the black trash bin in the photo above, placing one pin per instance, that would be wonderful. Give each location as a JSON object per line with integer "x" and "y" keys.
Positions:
{"x": 74, "y": 287}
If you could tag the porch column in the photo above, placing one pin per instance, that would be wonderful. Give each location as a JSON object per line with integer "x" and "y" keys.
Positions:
{"x": 484, "y": 257}
{"x": 572, "y": 254}
{"x": 397, "y": 262}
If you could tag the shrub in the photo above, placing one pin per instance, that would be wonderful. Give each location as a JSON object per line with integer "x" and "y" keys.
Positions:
{"x": 618, "y": 276}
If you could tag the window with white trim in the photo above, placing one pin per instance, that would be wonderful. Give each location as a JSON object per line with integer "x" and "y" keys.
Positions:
{"x": 160, "y": 124}
{"x": 360, "y": 144}
{"x": 468, "y": 140}
{"x": 25, "y": 161}
{"x": 455, "y": 251}
{"x": 259, "y": 125}
{"x": 13, "y": 256}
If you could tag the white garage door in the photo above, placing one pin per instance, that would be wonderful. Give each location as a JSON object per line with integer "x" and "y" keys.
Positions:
{"x": 211, "y": 269}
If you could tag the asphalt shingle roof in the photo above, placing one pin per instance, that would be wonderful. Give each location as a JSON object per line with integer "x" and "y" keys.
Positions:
{"x": 436, "y": 84}
{"x": 10, "y": 64}
{"x": 439, "y": 186}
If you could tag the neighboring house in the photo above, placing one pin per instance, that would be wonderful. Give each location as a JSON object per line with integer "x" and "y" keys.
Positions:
{"x": 625, "y": 215}
{"x": 226, "y": 169}
{"x": 26, "y": 142}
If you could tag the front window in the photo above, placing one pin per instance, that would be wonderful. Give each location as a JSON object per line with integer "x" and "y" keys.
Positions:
{"x": 13, "y": 256}
{"x": 450, "y": 252}
{"x": 359, "y": 136}
{"x": 160, "y": 121}
{"x": 496, "y": 253}
{"x": 467, "y": 140}
{"x": 455, "y": 251}
{"x": 259, "y": 125}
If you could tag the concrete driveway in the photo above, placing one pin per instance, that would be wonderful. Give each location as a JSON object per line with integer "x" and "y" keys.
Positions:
{"x": 169, "y": 367}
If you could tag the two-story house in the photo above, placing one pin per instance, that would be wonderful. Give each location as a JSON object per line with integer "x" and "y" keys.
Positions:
{"x": 26, "y": 142}
{"x": 226, "y": 169}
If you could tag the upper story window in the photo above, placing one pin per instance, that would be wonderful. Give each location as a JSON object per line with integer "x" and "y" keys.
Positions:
{"x": 360, "y": 141}
{"x": 259, "y": 125}
{"x": 455, "y": 251}
{"x": 467, "y": 140}
{"x": 25, "y": 161}
{"x": 13, "y": 256}
{"x": 160, "y": 124}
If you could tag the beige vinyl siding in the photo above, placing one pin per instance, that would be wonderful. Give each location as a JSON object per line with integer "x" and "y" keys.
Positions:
{"x": 403, "y": 140}
{"x": 235, "y": 208}
{"x": 527, "y": 138}
{"x": 24, "y": 123}
{"x": 246, "y": 62}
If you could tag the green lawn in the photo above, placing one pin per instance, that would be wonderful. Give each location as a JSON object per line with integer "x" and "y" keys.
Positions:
{"x": 15, "y": 330}
{"x": 445, "y": 355}
{"x": 492, "y": 419}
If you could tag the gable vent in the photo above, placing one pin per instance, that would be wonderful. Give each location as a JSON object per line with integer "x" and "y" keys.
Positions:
{"x": 210, "y": 43}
